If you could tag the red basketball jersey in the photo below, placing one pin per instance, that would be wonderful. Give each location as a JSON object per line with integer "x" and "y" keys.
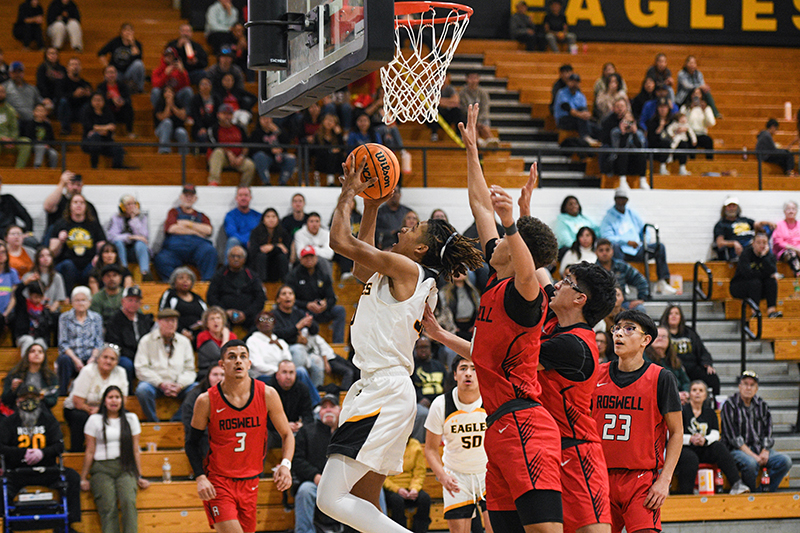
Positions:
{"x": 631, "y": 426}
{"x": 237, "y": 437}
{"x": 570, "y": 402}
{"x": 505, "y": 354}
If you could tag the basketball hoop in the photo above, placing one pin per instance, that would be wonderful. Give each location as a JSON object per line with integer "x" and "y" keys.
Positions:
{"x": 413, "y": 83}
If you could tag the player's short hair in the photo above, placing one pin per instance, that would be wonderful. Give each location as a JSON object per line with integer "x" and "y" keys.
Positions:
{"x": 457, "y": 361}
{"x": 539, "y": 239}
{"x": 602, "y": 242}
{"x": 642, "y": 319}
{"x": 231, "y": 344}
{"x": 598, "y": 285}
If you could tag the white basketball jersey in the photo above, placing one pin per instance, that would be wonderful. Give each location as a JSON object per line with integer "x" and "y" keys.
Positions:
{"x": 462, "y": 427}
{"x": 384, "y": 330}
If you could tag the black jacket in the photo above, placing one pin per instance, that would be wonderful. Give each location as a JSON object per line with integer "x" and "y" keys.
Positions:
{"x": 240, "y": 290}
{"x": 286, "y": 324}
{"x": 310, "y": 450}
{"x": 13, "y": 446}
{"x": 311, "y": 287}
{"x": 119, "y": 331}
{"x": 57, "y": 8}
{"x": 10, "y": 210}
{"x": 199, "y": 54}
{"x": 296, "y": 402}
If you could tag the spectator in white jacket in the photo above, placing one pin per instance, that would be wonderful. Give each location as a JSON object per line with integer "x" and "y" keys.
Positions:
{"x": 314, "y": 235}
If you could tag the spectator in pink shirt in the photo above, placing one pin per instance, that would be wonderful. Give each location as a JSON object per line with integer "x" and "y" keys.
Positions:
{"x": 786, "y": 238}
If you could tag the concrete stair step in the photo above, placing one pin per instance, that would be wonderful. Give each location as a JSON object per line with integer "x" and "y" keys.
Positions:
{"x": 763, "y": 369}
{"x": 718, "y": 329}
{"x": 775, "y": 393}
{"x": 728, "y": 349}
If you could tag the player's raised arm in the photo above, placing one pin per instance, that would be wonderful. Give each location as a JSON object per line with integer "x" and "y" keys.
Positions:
{"x": 524, "y": 267}
{"x": 435, "y": 332}
{"x": 526, "y": 192}
{"x": 479, "y": 199}
{"x": 283, "y": 474}
{"x": 202, "y": 408}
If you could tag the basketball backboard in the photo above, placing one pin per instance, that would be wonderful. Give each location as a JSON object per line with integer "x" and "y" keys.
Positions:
{"x": 341, "y": 41}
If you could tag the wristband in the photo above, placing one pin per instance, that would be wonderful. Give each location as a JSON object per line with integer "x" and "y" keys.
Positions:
{"x": 287, "y": 463}
{"x": 510, "y": 230}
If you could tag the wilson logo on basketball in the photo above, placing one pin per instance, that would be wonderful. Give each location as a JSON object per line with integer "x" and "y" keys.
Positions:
{"x": 385, "y": 168}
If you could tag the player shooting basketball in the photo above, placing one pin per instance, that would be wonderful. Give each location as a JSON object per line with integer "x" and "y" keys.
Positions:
{"x": 378, "y": 413}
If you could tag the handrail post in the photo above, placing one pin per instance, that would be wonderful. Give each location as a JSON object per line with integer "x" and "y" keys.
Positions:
{"x": 183, "y": 165}
{"x": 760, "y": 175}
{"x": 651, "y": 164}
{"x": 746, "y": 332}
{"x": 63, "y": 156}
{"x": 424, "y": 167}
{"x": 646, "y": 254}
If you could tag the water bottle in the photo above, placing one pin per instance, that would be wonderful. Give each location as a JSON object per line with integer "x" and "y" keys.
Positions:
{"x": 405, "y": 162}
{"x": 764, "y": 480}
{"x": 166, "y": 471}
{"x": 719, "y": 482}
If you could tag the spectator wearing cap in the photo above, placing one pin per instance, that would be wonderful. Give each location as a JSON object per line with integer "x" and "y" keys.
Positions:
{"x": 313, "y": 290}
{"x": 571, "y": 111}
{"x": 125, "y": 53}
{"x": 108, "y": 256}
{"x": 10, "y": 132}
{"x": 623, "y": 227}
{"x": 80, "y": 336}
{"x": 224, "y": 66}
{"x": 650, "y": 108}
{"x": 224, "y": 133}
{"x": 171, "y": 73}
{"x": 187, "y": 239}
{"x": 129, "y": 232}
{"x": 747, "y": 432}
{"x": 127, "y": 326}
{"x": 23, "y": 96}
{"x": 220, "y": 18}
{"x": 240, "y": 221}
{"x": 64, "y": 19}
{"x": 106, "y": 302}
{"x": 237, "y": 290}
{"x": 734, "y": 232}
{"x": 314, "y": 235}
{"x": 28, "y": 27}
{"x": 191, "y": 53}
{"x": 521, "y": 28}
{"x": 766, "y": 143}
{"x": 164, "y": 365}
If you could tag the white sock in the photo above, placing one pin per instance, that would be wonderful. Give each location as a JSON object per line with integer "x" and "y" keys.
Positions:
{"x": 334, "y": 499}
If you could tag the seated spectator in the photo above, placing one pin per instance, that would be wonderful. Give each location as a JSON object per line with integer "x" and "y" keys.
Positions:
{"x": 224, "y": 66}
{"x": 187, "y": 233}
{"x": 364, "y": 132}
{"x": 98, "y": 133}
{"x": 113, "y": 457}
{"x": 689, "y": 79}
{"x": 601, "y": 83}
{"x": 75, "y": 240}
{"x": 271, "y": 157}
{"x": 314, "y": 292}
{"x": 623, "y": 227}
{"x": 191, "y": 53}
{"x": 215, "y": 333}
{"x": 569, "y": 221}
{"x": 171, "y": 73}
{"x": 785, "y": 238}
{"x": 473, "y": 93}
{"x": 604, "y": 101}
{"x": 572, "y": 113}
{"x": 428, "y": 379}
{"x": 647, "y": 93}
{"x": 702, "y": 444}
{"x": 581, "y": 250}
{"x": 345, "y": 263}
{"x": 164, "y": 365}
{"x": 649, "y": 109}
{"x": 294, "y": 326}
{"x": 80, "y": 336}
{"x": 13, "y": 213}
{"x": 623, "y": 163}
{"x": 169, "y": 117}
{"x": 108, "y": 256}
{"x": 33, "y": 321}
{"x": 295, "y": 398}
{"x": 733, "y": 232}
{"x": 215, "y": 375}
{"x": 51, "y": 282}
{"x": 239, "y": 49}
{"x": 118, "y": 99}
{"x": 305, "y": 123}
{"x": 268, "y": 248}
{"x": 756, "y": 275}
{"x": 64, "y": 19}
{"x": 31, "y": 438}
{"x": 404, "y": 490}
{"x": 766, "y": 143}
{"x": 522, "y": 29}
{"x": 50, "y": 76}
{"x": 129, "y": 233}
{"x": 20, "y": 257}
{"x": 700, "y": 118}
{"x": 449, "y": 110}
{"x": 626, "y": 275}
{"x": 390, "y": 219}
{"x": 556, "y": 29}
{"x": 220, "y": 18}
{"x": 564, "y": 72}
{"x": 681, "y": 136}
{"x": 28, "y": 27}
{"x": 462, "y": 298}
{"x": 22, "y": 95}
{"x": 296, "y": 219}
{"x": 225, "y": 132}
{"x": 240, "y": 221}
{"x": 662, "y": 74}
{"x": 240, "y": 100}
{"x": 237, "y": 290}
{"x": 58, "y": 201}
{"x": 338, "y": 105}
{"x": 314, "y": 235}
{"x": 664, "y": 354}
{"x": 126, "y": 326}
{"x": 180, "y": 297}
{"x": 9, "y": 131}
{"x": 107, "y": 301}
{"x": 329, "y": 153}
{"x": 747, "y": 432}
{"x": 85, "y": 396}
{"x": 125, "y": 53}
{"x": 203, "y": 111}
{"x": 40, "y": 132}
{"x": 32, "y": 370}
{"x": 689, "y": 347}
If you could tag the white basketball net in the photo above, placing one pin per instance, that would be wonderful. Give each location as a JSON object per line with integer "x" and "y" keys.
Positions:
{"x": 412, "y": 81}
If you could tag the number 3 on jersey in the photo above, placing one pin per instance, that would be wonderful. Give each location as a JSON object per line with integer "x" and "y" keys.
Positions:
{"x": 242, "y": 435}
{"x": 611, "y": 426}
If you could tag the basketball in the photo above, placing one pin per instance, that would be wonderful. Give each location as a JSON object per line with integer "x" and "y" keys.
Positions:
{"x": 381, "y": 162}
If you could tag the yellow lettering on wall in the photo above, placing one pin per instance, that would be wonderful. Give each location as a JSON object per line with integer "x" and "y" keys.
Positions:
{"x": 585, "y": 10}
{"x": 701, "y": 20}
{"x": 751, "y": 9}
{"x": 658, "y": 15}
{"x": 796, "y": 18}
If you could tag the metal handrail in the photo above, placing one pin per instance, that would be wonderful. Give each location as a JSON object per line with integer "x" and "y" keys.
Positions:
{"x": 697, "y": 289}
{"x": 747, "y": 333}
{"x": 646, "y": 254}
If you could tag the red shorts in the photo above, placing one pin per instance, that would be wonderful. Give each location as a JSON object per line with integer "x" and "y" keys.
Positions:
{"x": 628, "y": 491}
{"x": 236, "y": 500}
{"x": 524, "y": 450}
{"x": 584, "y": 486}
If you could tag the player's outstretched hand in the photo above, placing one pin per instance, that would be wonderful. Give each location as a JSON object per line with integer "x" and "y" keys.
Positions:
{"x": 205, "y": 489}
{"x": 657, "y": 494}
{"x": 282, "y": 478}
{"x": 351, "y": 180}
{"x": 502, "y": 204}
{"x": 469, "y": 133}
{"x": 527, "y": 191}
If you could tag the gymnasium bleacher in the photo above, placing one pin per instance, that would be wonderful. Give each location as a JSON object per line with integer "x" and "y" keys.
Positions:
{"x": 519, "y": 83}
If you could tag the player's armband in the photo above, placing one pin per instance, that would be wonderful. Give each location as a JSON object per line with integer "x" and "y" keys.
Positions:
{"x": 193, "y": 452}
